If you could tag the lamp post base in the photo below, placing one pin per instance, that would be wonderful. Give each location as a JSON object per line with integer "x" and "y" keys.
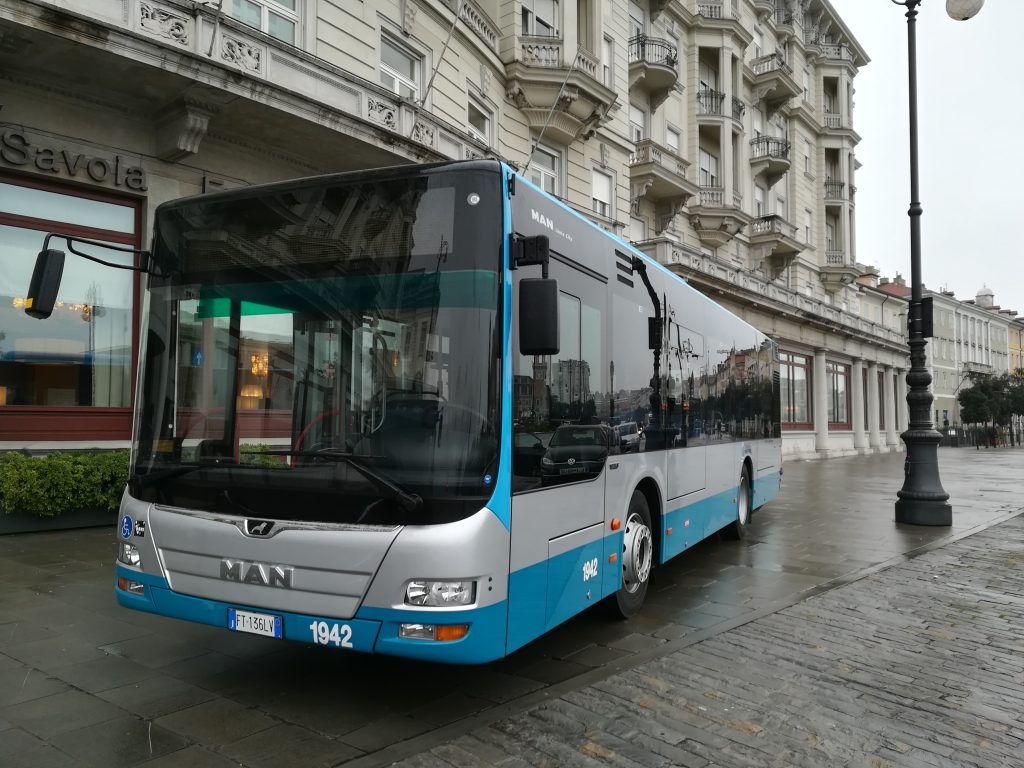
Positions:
{"x": 922, "y": 500}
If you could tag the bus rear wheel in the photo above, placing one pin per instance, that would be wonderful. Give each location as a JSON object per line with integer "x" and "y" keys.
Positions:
{"x": 637, "y": 558}
{"x": 737, "y": 529}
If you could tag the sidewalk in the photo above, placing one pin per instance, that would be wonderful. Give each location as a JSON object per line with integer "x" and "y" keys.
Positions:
{"x": 918, "y": 664}
{"x": 814, "y": 642}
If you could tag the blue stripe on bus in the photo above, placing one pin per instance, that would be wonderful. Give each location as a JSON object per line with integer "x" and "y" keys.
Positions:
{"x": 500, "y": 502}
{"x": 549, "y": 592}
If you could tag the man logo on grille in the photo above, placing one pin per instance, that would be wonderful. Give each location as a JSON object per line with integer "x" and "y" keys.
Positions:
{"x": 258, "y": 527}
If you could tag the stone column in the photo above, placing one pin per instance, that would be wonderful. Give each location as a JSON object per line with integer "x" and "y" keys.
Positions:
{"x": 860, "y": 437}
{"x": 892, "y": 438}
{"x": 874, "y": 436}
{"x": 820, "y": 402}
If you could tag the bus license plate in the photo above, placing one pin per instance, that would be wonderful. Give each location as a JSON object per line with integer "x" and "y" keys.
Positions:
{"x": 254, "y": 623}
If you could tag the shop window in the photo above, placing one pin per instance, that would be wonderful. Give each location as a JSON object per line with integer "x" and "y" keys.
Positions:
{"x": 277, "y": 18}
{"x": 82, "y": 356}
{"x": 838, "y": 395}
{"x": 795, "y": 375}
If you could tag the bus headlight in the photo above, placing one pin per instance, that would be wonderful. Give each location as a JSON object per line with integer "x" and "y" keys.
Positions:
{"x": 128, "y": 554}
{"x": 438, "y": 594}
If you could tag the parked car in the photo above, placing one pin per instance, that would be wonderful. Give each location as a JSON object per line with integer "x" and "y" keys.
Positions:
{"x": 576, "y": 452}
{"x": 628, "y": 434}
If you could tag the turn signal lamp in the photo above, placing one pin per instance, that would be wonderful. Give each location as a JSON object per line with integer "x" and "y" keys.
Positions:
{"x": 128, "y": 585}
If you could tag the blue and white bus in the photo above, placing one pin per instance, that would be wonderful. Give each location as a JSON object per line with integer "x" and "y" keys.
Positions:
{"x": 427, "y": 411}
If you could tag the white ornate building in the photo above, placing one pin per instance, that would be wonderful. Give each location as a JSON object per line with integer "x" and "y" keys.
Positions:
{"x": 719, "y": 135}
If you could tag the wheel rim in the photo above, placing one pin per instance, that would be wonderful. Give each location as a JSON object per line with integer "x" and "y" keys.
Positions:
{"x": 636, "y": 553}
{"x": 743, "y": 501}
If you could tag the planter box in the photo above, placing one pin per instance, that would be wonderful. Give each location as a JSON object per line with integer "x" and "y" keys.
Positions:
{"x": 15, "y": 523}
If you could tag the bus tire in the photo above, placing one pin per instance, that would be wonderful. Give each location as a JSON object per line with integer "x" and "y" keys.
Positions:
{"x": 637, "y": 558}
{"x": 737, "y": 529}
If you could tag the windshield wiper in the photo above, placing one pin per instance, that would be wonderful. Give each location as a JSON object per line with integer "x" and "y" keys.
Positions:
{"x": 410, "y": 502}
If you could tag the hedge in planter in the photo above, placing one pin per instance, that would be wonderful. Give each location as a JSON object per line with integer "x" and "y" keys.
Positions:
{"x": 61, "y": 483}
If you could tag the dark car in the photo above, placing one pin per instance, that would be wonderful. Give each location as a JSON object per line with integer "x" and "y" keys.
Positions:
{"x": 576, "y": 452}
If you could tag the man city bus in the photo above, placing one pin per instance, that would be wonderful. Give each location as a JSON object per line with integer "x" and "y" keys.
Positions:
{"x": 378, "y": 411}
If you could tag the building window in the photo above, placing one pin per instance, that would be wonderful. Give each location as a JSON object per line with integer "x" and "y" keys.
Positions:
{"x": 673, "y": 139}
{"x": 808, "y": 225}
{"x": 637, "y": 229}
{"x": 399, "y": 68}
{"x": 82, "y": 356}
{"x": 601, "y": 194}
{"x": 540, "y": 18}
{"x": 608, "y": 63}
{"x": 807, "y": 84}
{"x": 881, "y": 399}
{"x": 807, "y": 158}
{"x": 795, "y": 375}
{"x": 546, "y": 169}
{"x": 758, "y": 201}
{"x": 708, "y": 169}
{"x": 838, "y": 395}
{"x": 480, "y": 121}
{"x": 277, "y": 18}
{"x": 637, "y": 123}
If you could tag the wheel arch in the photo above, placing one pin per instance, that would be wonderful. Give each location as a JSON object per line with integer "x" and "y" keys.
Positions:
{"x": 649, "y": 488}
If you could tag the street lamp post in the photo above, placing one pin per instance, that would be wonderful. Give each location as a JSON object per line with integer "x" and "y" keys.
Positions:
{"x": 922, "y": 500}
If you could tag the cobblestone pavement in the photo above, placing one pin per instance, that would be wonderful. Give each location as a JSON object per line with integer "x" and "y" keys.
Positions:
{"x": 85, "y": 682}
{"x": 919, "y": 664}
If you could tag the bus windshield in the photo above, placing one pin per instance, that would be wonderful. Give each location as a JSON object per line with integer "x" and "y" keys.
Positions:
{"x": 325, "y": 350}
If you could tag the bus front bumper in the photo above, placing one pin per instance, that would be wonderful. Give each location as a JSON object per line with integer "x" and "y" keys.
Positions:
{"x": 372, "y": 630}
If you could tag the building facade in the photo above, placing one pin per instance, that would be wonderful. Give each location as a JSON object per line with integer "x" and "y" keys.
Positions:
{"x": 717, "y": 135}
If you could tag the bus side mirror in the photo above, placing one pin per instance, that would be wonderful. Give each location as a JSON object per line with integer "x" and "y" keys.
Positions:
{"x": 538, "y": 316}
{"x": 42, "y": 290}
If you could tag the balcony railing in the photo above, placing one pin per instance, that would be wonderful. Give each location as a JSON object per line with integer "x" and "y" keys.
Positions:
{"x": 772, "y": 225}
{"x": 712, "y": 197}
{"x": 811, "y": 36}
{"x": 648, "y": 152}
{"x": 835, "y": 190}
{"x": 652, "y": 50}
{"x": 833, "y": 120}
{"x": 784, "y": 16}
{"x": 542, "y": 51}
{"x": 770, "y": 63}
{"x": 738, "y": 108}
{"x": 710, "y": 10}
{"x": 586, "y": 62}
{"x": 835, "y": 258}
{"x": 709, "y": 101}
{"x": 836, "y": 51}
{"x": 769, "y": 146}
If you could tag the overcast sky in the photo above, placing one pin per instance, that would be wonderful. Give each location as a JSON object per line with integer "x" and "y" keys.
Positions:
{"x": 970, "y": 124}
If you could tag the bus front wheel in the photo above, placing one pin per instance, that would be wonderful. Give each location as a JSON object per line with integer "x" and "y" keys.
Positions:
{"x": 637, "y": 558}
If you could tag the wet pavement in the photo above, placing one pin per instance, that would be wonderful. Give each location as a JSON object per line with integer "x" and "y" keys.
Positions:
{"x": 85, "y": 682}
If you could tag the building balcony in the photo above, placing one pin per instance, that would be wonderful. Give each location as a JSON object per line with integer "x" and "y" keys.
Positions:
{"x": 539, "y": 79}
{"x": 773, "y": 241}
{"x": 715, "y": 221}
{"x": 769, "y": 158}
{"x": 710, "y": 102}
{"x": 653, "y": 67}
{"x": 711, "y": 10}
{"x": 837, "y": 272}
{"x": 659, "y": 175}
{"x": 835, "y": 191}
{"x": 832, "y": 121}
{"x": 738, "y": 108}
{"x": 771, "y": 80}
{"x": 836, "y": 53}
